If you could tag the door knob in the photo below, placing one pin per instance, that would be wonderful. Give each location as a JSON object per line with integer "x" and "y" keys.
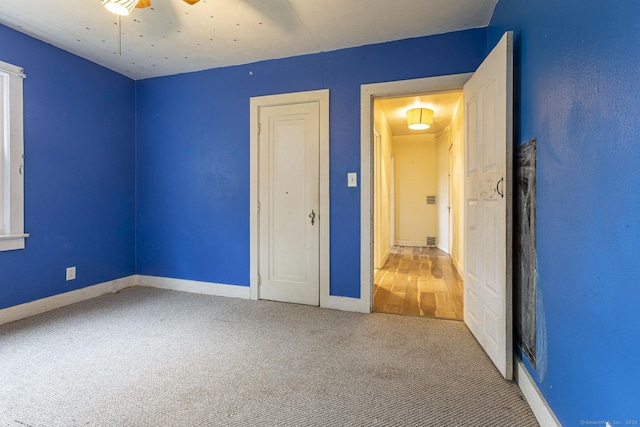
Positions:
{"x": 312, "y": 215}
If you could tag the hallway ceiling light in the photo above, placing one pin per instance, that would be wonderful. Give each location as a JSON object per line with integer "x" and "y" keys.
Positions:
{"x": 419, "y": 118}
{"x": 120, "y": 7}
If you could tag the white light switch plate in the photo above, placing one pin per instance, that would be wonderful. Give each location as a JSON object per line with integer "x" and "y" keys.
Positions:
{"x": 352, "y": 179}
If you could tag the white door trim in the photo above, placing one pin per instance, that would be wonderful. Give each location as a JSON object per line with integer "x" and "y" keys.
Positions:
{"x": 376, "y": 222}
{"x": 367, "y": 93}
{"x": 322, "y": 97}
{"x": 392, "y": 202}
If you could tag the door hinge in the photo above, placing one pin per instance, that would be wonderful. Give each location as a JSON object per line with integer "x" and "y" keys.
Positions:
{"x": 258, "y": 207}
{"x": 259, "y": 279}
{"x": 259, "y": 128}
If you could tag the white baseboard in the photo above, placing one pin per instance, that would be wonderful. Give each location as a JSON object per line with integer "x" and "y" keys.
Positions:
{"x": 412, "y": 243}
{"x": 206, "y": 288}
{"x": 443, "y": 248}
{"x": 386, "y": 257}
{"x": 458, "y": 266}
{"x": 21, "y": 311}
{"x": 346, "y": 304}
{"x": 32, "y": 308}
{"x": 383, "y": 261}
{"x": 539, "y": 406}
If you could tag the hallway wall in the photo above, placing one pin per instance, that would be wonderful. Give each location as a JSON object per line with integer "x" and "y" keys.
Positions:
{"x": 382, "y": 192}
{"x": 416, "y": 176}
{"x": 456, "y": 129}
{"x": 442, "y": 151}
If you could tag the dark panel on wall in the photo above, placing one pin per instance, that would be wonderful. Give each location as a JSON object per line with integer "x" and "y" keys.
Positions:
{"x": 525, "y": 249}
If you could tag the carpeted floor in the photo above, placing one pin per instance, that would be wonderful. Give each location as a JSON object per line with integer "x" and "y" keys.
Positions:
{"x": 149, "y": 357}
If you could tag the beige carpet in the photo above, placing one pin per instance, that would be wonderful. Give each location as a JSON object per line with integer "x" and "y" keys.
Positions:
{"x": 148, "y": 357}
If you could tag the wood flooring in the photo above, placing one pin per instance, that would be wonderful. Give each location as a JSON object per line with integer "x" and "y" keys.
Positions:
{"x": 419, "y": 282}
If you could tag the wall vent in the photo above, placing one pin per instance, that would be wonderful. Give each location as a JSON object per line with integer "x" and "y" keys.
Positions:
{"x": 431, "y": 241}
{"x": 431, "y": 200}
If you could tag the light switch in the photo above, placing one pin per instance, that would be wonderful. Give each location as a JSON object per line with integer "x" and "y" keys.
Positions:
{"x": 352, "y": 179}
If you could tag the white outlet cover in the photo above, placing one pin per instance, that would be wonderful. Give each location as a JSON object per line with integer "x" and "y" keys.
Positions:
{"x": 71, "y": 273}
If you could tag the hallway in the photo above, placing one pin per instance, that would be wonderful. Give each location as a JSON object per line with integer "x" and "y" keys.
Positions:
{"x": 419, "y": 282}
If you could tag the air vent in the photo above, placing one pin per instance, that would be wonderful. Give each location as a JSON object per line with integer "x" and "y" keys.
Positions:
{"x": 431, "y": 200}
{"x": 431, "y": 241}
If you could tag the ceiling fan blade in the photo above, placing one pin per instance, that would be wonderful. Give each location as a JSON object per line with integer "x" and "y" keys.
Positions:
{"x": 191, "y": 2}
{"x": 143, "y": 3}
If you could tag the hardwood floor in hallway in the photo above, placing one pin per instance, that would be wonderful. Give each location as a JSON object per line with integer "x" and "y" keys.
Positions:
{"x": 419, "y": 282}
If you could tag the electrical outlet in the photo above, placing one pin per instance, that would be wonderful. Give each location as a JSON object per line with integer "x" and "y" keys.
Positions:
{"x": 71, "y": 273}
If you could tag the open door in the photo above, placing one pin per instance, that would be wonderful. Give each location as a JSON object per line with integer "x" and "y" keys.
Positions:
{"x": 488, "y": 97}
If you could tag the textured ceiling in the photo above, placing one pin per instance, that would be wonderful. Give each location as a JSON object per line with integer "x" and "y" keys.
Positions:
{"x": 442, "y": 104}
{"x": 172, "y": 37}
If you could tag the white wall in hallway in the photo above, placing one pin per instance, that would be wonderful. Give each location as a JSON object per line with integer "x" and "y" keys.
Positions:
{"x": 416, "y": 176}
{"x": 456, "y": 130}
{"x": 442, "y": 144}
{"x": 382, "y": 190}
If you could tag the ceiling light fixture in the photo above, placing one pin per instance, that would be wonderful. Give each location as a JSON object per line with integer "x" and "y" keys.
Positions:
{"x": 419, "y": 118}
{"x": 120, "y": 7}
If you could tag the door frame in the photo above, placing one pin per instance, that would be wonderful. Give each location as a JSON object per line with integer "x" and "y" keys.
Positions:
{"x": 392, "y": 201}
{"x": 322, "y": 98}
{"x": 377, "y": 183}
{"x": 367, "y": 93}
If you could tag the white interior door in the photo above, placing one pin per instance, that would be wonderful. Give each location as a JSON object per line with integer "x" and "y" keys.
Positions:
{"x": 289, "y": 203}
{"x": 488, "y": 97}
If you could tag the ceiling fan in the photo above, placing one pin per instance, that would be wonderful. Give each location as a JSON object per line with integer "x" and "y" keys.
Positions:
{"x": 124, "y": 7}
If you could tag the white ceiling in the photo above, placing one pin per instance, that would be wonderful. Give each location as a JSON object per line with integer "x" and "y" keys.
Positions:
{"x": 443, "y": 105}
{"x": 172, "y": 37}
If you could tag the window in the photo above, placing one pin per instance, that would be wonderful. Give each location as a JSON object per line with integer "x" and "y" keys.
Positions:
{"x": 11, "y": 158}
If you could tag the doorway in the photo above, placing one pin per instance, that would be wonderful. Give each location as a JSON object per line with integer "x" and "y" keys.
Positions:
{"x": 413, "y": 210}
{"x": 368, "y": 93}
{"x": 488, "y": 128}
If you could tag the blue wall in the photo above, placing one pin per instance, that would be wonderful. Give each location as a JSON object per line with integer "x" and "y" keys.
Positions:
{"x": 79, "y": 173}
{"x": 576, "y": 68}
{"x": 193, "y": 152}
{"x": 577, "y": 71}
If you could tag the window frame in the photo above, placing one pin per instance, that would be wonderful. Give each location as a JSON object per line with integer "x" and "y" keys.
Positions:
{"x": 12, "y": 235}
